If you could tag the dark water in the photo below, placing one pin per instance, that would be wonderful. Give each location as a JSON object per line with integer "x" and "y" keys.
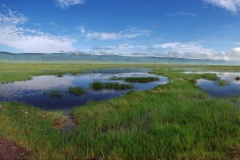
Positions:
{"x": 37, "y": 90}
{"x": 213, "y": 89}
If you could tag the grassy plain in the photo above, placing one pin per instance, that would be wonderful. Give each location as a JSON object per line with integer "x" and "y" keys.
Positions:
{"x": 172, "y": 121}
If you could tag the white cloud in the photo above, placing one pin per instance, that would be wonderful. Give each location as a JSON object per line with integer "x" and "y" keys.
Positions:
{"x": 102, "y": 36}
{"x": 195, "y": 50}
{"x": 68, "y": 3}
{"x": 183, "y": 14}
{"x": 171, "y": 49}
{"x": 167, "y": 45}
{"x": 230, "y": 5}
{"x": 81, "y": 29}
{"x": 8, "y": 17}
{"x": 190, "y": 50}
{"x": 189, "y": 47}
{"x": 233, "y": 54}
{"x": 14, "y": 34}
{"x": 126, "y": 34}
{"x": 120, "y": 49}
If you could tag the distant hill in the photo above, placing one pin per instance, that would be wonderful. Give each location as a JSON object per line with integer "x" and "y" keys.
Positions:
{"x": 81, "y": 57}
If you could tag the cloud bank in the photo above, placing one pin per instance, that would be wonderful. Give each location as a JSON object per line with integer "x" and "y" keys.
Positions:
{"x": 189, "y": 50}
{"x": 230, "y": 5}
{"x": 14, "y": 34}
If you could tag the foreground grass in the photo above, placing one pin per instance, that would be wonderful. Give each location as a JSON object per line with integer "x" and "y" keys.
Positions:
{"x": 174, "y": 121}
{"x": 31, "y": 128}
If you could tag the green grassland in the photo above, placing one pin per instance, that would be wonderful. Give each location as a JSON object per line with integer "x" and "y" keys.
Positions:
{"x": 172, "y": 121}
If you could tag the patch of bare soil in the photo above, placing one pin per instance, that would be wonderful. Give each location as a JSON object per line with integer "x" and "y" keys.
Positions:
{"x": 9, "y": 150}
{"x": 234, "y": 154}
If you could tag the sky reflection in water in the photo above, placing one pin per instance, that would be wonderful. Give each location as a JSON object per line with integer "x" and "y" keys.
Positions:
{"x": 213, "y": 89}
{"x": 36, "y": 91}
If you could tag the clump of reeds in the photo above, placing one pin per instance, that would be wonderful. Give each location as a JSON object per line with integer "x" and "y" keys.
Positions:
{"x": 77, "y": 91}
{"x": 136, "y": 79}
{"x": 55, "y": 93}
{"x": 222, "y": 82}
{"x": 237, "y": 78}
{"x": 110, "y": 85}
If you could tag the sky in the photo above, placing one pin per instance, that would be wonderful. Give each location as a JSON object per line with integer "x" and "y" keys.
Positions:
{"x": 198, "y": 29}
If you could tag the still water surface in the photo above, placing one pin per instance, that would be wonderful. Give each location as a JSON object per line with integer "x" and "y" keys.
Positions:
{"x": 213, "y": 89}
{"x": 37, "y": 90}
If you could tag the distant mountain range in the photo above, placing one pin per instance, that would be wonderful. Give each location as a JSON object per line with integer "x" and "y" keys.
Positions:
{"x": 82, "y": 57}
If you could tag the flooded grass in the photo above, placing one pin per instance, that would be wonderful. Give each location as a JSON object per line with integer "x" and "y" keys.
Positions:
{"x": 174, "y": 121}
{"x": 222, "y": 83}
{"x": 77, "y": 91}
{"x": 109, "y": 85}
{"x": 136, "y": 79}
{"x": 209, "y": 76}
{"x": 55, "y": 93}
{"x": 234, "y": 99}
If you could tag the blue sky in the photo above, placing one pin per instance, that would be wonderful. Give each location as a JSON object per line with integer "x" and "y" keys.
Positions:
{"x": 170, "y": 28}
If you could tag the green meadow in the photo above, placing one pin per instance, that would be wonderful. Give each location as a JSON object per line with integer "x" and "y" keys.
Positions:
{"x": 173, "y": 121}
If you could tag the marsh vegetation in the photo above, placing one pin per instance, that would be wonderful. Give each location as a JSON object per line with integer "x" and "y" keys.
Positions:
{"x": 109, "y": 85}
{"x": 222, "y": 82}
{"x": 55, "y": 93}
{"x": 173, "y": 121}
{"x": 136, "y": 79}
{"x": 77, "y": 91}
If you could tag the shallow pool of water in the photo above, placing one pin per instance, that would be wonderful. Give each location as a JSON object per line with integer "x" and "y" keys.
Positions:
{"x": 214, "y": 89}
{"x": 36, "y": 91}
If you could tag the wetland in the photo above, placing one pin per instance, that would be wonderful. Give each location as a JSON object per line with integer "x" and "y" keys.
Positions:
{"x": 67, "y": 91}
{"x": 172, "y": 119}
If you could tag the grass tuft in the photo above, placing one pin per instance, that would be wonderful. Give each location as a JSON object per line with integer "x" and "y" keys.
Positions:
{"x": 136, "y": 79}
{"x": 77, "y": 91}
{"x": 222, "y": 83}
{"x": 55, "y": 93}
{"x": 110, "y": 85}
